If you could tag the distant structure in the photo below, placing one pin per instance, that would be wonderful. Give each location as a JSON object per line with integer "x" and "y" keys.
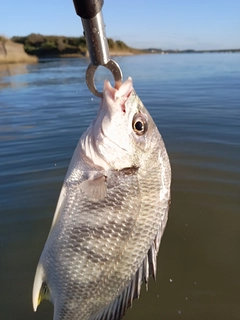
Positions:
{"x": 11, "y": 52}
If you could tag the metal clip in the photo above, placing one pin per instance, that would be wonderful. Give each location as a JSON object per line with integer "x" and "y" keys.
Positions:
{"x": 94, "y": 30}
{"x": 115, "y": 70}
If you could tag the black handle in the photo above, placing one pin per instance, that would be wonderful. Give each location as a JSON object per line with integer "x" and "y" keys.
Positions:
{"x": 87, "y": 9}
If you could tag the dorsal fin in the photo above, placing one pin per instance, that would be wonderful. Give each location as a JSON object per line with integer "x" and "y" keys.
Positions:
{"x": 117, "y": 308}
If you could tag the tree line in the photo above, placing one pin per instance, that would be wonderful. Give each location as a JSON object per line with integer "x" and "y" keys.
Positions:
{"x": 40, "y": 45}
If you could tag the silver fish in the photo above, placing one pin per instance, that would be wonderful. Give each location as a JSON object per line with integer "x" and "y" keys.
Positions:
{"x": 110, "y": 216}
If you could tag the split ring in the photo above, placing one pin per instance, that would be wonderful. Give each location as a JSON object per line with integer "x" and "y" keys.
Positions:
{"x": 115, "y": 70}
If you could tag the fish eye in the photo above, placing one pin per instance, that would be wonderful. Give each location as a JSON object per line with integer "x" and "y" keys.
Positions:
{"x": 139, "y": 124}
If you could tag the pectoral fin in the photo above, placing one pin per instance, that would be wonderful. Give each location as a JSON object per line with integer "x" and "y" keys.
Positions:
{"x": 40, "y": 288}
{"x": 95, "y": 189}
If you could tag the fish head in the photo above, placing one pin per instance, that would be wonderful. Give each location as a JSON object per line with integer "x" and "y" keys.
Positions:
{"x": 123, "y": 132}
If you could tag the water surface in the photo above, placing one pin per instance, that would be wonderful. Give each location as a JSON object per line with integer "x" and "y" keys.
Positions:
{"x": 195, "y": 102}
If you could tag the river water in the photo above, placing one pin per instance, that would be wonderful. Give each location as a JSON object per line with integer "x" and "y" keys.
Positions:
{"x": 195, "y": 102}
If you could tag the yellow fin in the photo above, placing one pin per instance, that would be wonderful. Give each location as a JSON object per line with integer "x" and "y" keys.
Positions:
{"x": 40, "y": 288}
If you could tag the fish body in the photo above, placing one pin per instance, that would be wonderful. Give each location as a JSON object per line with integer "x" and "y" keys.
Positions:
{"x": 110, "y": 216}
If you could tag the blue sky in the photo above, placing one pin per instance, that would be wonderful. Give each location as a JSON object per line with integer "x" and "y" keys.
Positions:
{"x": 166, "y": 24}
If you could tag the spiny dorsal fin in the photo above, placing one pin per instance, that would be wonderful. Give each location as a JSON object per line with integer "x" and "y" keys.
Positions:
{"x": 95, "y": 189}
{"x": 117, "y": 308}
{"x": 40, "y": 288}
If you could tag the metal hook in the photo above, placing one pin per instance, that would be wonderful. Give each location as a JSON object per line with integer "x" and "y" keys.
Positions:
{"x": 115, "y": 70}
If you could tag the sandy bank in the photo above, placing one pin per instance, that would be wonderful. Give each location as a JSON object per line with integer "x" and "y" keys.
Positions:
{"x": 11, "y": 52}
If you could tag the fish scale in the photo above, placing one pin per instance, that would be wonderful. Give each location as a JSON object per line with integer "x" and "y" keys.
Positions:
{"x": 110, "y": 216}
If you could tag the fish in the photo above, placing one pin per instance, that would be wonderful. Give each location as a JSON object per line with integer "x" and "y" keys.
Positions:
{"x": 110, "y": 216}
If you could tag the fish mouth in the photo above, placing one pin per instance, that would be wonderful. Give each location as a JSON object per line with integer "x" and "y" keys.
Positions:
{"x": 123, "y": 91}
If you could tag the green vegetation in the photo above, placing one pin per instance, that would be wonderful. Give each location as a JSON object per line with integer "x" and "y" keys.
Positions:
{"x": 118, "y": 45}
{"x": 39, "y": 45}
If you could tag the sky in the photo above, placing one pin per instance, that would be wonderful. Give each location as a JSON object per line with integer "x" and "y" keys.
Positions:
{"x": 164, "y": 24}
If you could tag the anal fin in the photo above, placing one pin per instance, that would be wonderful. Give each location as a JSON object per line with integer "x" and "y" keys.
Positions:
{"x": 40, "y": 288}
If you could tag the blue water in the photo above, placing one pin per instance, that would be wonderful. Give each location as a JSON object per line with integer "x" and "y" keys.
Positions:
{"x": 195, "y": 102}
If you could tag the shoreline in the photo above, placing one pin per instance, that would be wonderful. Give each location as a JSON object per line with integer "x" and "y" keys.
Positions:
{"x": 26, "y": 58}
{"x": 111, "y": 53}
{"x": 13, "y": 53}
{"x": 11, "y": 59}
{"x": 86, "y": 56}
